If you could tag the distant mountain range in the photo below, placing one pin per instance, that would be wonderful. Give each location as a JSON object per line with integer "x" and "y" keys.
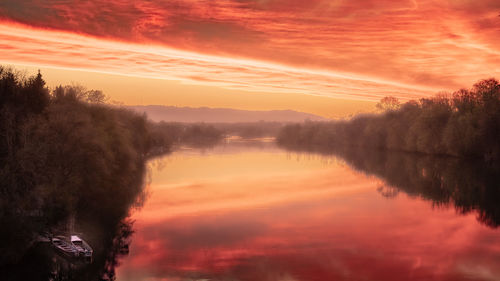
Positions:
{"x": 221, "y": 115}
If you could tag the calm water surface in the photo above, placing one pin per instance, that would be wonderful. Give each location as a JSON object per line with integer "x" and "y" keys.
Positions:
{"x": 257, "y": 213}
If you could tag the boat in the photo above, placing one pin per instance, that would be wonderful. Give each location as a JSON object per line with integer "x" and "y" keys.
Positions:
{"x": 74, "y": 248}
{"x": 64, "y": 247}
{"x": 84, "y": 249}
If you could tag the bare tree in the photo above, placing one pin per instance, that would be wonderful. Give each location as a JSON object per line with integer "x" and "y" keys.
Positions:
{"x": 388, "y": 104}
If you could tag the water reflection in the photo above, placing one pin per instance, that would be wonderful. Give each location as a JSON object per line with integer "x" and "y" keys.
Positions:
{"x": 469, "y": 186}
{"x": 261, "y": 213}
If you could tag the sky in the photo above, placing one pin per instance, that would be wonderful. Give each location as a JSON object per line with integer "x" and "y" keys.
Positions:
{"x": 256, "y": 54}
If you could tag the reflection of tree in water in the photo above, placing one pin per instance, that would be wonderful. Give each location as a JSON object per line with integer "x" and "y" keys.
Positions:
{"x": 470, "y": 186}
{"x": 119, "y": 247}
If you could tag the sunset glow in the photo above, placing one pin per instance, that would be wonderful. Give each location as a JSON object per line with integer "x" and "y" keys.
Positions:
{"x": 250, "y": 140}
{"x": 66, "y": 50}
{"x": 360, "y": 49}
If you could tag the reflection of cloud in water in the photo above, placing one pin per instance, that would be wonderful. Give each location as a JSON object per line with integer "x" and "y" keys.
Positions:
{"x": 320, "y": 223}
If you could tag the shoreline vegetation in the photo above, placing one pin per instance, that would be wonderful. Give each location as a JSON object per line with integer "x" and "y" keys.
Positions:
{"x": 68, "y": 143}
{"x": 64, "y": 155}
{"x": 67, "y": 155}
{"x": 444, "y": 149}
{"x": 463, "y": 124}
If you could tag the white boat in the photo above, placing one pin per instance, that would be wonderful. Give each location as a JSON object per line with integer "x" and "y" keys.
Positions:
{"x": 84, "y": 250}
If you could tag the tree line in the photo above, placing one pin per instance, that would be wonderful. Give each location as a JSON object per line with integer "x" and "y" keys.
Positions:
{"x": 464, "y": 124}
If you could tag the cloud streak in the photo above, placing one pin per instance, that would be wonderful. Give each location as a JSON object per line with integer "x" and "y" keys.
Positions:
{"x": 351, "y": 47}
{"x": 68, "y": 50}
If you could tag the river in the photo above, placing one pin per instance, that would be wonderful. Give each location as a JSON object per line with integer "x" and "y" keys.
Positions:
{"x": 253, "y": 211}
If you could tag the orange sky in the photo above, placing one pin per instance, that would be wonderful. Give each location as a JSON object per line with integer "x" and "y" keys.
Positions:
{"x": 144, "y": 91}
{"x": 273, "y": 49}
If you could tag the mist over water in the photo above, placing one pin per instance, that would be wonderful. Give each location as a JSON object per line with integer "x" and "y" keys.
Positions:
{"x": 253, "y": 211}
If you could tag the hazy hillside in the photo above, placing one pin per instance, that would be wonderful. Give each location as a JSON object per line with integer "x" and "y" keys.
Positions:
{"x": 221, "y": 115}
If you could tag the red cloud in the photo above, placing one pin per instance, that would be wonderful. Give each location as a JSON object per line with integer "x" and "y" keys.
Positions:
{"x": 49, "y": 48}
{"x": 440, "y": 44}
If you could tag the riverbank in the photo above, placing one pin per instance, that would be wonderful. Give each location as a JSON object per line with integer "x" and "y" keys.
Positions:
{"x": 464, "y": 124}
